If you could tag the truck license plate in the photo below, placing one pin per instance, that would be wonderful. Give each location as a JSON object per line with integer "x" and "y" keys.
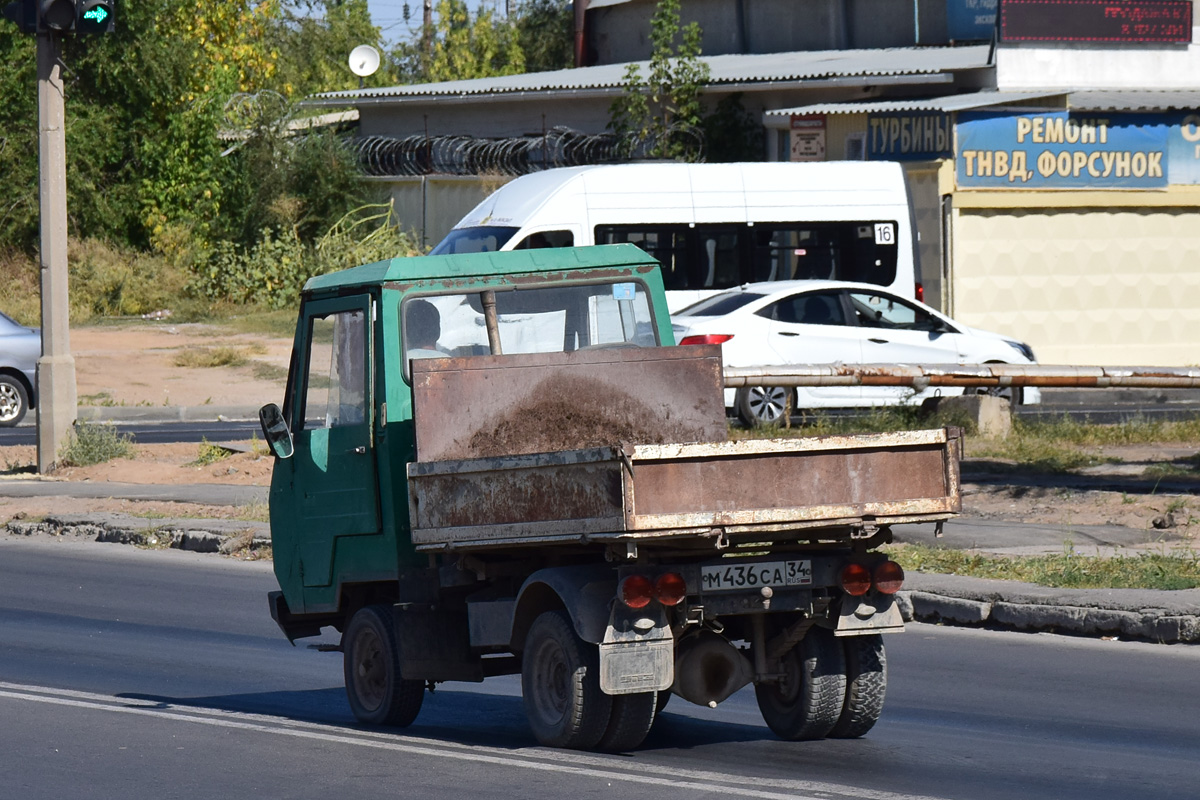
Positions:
{"x": 728, "y": 577}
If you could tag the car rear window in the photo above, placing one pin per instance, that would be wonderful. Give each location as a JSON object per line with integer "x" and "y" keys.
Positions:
{"x": 719, "y": 305}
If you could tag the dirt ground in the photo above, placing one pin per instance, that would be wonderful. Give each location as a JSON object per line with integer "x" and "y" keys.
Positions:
{"x": 132, "y": 365}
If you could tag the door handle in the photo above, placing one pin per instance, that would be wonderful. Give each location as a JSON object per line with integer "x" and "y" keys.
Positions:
{"x": 878, "y": 341}
{"x": 360, "y": 450}
{"x": 788, "y": 333}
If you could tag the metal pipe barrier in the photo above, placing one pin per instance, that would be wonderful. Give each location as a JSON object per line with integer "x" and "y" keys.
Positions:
{"x": 923, "y": 376}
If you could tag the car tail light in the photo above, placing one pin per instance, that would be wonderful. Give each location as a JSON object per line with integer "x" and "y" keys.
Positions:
{"x": 670, "y": 589}
{"x": 856, "y": 579}
{"x": 889, "y": 577}
{"x": 707, "y": 338}
{"x": 636, "y": 591}
{"x": 920, "y": 290}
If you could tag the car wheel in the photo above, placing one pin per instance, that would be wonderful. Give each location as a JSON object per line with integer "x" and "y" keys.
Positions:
{"x": 371, "y": 664}
{"x": 560, "y": 685}
{"x": 763, "y": 405}
{"x": 1010, "y": 393}
{"x": 14, "y": 401}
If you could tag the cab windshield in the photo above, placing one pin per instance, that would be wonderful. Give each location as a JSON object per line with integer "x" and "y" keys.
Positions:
{"x": 530, "y": 320}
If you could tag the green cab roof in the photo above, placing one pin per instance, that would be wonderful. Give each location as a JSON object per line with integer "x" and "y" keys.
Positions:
{"x": 473, "y": 265}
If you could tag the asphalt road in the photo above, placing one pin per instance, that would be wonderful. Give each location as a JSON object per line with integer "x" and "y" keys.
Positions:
{"x": 155, "y": 432}
{"x": 129, "y": 673}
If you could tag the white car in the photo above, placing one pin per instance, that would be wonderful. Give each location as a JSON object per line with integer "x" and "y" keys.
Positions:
{"x": 823, "y": 322}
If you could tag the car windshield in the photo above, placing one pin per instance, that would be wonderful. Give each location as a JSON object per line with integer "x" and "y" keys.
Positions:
{"x": 720, "y": 304}
{"x": 487, "y": 239}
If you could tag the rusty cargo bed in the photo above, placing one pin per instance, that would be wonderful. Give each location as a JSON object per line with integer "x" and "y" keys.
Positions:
{"x": 754, "y": 490}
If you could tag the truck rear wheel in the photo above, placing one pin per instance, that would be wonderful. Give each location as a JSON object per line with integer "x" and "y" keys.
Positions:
{"x": 560, "y": 685}
{"x": 807, "y": 701}
{"x": 632, "y": 717}
{"x": 866, "y": 684}
{"x": 371, "y": 664}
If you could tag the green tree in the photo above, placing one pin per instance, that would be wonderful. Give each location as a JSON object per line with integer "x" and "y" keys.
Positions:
{"x": 546, "y": 34}
{"x": 461, "y": 46}
{"x": 314, "y": 38}
{"x": 661, "y": 115}
{"x": 731, "y": 133}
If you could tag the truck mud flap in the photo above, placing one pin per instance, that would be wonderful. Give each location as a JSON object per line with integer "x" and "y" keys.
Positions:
{"x": 862, "y": 615}
{"x": 632, "y": 667}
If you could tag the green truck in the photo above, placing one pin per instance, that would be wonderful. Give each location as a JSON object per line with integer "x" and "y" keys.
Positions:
{"x": 499, "y": 463}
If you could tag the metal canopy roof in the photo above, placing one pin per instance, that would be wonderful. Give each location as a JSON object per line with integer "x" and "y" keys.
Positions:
{"x": 1140, "y": 100}
{"x": 744, "y": 71}
{"x": 1088, "y": 100}
{"x": 954, "y": 102}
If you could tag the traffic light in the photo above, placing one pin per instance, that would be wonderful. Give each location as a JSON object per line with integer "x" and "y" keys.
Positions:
{"x": 94, "y": 16}
{"x": 24, "y": 13}
{"x": 55, "y": 15}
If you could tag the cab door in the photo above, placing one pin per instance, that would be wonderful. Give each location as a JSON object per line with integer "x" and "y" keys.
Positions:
{"x": 335, "y": 488}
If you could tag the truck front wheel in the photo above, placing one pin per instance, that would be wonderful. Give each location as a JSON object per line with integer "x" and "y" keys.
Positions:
{"x": 560, "y": 685}
{"x": 371, "y": 664}
{"x": 807, "y": 701}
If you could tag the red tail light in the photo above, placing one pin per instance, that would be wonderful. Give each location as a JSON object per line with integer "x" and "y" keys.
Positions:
{"x": 920, "y": 288}
{"x": 670, "y": 589}
{"x": 708, "y": 338}
{"x": 636, "y": 591}
{"x": 889, "y": 577}
{"x": 856, "y": 579}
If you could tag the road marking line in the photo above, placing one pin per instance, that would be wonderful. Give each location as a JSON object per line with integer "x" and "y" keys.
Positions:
{"x": 552, "y": 761}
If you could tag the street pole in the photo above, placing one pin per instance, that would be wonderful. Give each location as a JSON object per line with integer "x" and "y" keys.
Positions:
{"x": 56, "y": 400}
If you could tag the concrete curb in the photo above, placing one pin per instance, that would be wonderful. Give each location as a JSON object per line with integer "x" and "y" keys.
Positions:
{"x": 223, "y": 536}
{"x": 1158, "y": 616}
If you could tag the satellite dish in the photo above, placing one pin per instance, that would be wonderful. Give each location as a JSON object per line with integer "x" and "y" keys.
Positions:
{"x": 364, "y": 60}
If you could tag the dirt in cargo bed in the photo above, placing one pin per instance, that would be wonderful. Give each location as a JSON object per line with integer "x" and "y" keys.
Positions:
{"x": 573, "y": 414}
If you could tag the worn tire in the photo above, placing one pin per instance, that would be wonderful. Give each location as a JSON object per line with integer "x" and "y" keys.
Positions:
{"x": 631, "y": 719}
{"x": 371, "y": 665}
{"x": 14, "y": 401}
{"x": 808, "y": 702}
{"x": 762, "y": 406}
{"x": 866, "y": 685}
{"x": 560, "y": 685}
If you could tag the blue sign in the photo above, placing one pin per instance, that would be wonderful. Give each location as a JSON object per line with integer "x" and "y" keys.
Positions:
{"x": 970, "y": 19}
{"x": 1057, "y": 150}
{"x": 1183, "y": 148}
{"x": 909, "y": 136}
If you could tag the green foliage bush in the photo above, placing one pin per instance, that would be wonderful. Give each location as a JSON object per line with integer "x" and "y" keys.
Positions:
{"x": 89, "y": 444}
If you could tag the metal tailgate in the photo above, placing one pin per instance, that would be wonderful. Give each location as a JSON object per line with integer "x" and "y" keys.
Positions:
{"x": 763, "y": 488}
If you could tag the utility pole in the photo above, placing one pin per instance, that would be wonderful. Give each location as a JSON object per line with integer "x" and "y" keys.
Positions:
{"x": 56, "y": 399}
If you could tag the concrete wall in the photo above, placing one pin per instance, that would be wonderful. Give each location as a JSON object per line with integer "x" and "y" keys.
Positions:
{"x": 430, "y": 206}
{"x": 619, "y": 33}
{"x": 1083, "y": 285}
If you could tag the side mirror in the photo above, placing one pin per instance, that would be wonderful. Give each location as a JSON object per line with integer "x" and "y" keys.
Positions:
{"x": 275, "y": 430}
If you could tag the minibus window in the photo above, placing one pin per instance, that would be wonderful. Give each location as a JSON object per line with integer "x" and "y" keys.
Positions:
{"x": 541, "y": 239}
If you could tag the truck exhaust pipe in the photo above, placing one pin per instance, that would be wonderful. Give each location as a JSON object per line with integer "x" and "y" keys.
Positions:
{"x": 708, "y": 669}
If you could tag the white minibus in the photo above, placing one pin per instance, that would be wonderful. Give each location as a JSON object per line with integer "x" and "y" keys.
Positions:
{"x": 714, "y": 226}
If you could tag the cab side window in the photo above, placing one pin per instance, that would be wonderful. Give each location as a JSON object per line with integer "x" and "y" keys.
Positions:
{"x": 335, "y": 388}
